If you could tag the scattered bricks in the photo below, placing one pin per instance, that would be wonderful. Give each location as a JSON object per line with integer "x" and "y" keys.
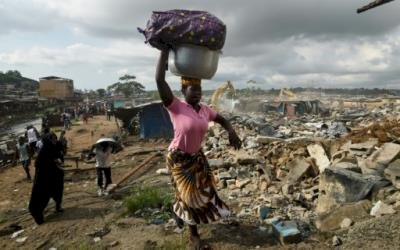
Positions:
{"x": 317, "y": 152}
{"x": 392, "y": 173}
{"x": 286, "y": 231}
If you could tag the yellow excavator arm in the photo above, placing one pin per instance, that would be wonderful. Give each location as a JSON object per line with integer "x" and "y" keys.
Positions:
{"x": 286, "y": 94}
{"x": 225, "y": 87}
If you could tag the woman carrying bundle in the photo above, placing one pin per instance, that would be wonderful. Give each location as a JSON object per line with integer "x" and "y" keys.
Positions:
{"x": 196, "y": 199}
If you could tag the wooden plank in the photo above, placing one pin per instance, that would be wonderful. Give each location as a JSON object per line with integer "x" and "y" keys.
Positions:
{"x": 133, "y": 171}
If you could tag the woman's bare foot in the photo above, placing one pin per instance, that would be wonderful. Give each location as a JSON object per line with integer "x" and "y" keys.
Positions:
{"x": 197, "y": 244}
{"x": 194, "y": 242}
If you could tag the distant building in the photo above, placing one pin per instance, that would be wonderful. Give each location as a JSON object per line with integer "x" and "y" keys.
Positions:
{"x": 6, "y": 87}
{"x": 56, "y": 87}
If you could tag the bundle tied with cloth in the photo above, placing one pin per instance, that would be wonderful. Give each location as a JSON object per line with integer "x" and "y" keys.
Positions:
{"x": 196, "y": 39}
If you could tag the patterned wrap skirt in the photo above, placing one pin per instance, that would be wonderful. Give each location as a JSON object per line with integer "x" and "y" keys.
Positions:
{"x": 196, "y": 198}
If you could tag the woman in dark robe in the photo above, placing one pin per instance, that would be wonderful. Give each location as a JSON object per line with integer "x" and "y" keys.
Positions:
{"x": 49, "y": 178}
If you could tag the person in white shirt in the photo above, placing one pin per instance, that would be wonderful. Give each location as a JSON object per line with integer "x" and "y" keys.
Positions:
{"x": 102, "y": 151}
{"x": 33, "y": 137}
{"x": 23, "y": 153}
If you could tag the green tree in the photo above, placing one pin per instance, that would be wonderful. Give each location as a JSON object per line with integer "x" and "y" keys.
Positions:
{"x": 127, "y": 86}
{"x": 101, "y": 92}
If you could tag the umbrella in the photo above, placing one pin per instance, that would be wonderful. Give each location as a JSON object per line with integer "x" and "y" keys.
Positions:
{"x": 105, "y": 140}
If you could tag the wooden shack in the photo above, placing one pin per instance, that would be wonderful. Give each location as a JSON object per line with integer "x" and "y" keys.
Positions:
{"x": 54, "y": 87}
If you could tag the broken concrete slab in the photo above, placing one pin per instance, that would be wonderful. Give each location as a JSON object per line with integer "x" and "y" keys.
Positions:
{"x": 317, "y": 152}
{"x": 378, "y": 161}
{"x": 347, "y": 165}
{"x": 392, "y": 173}
{"x": 287, "y": 232}
{"x": 339, "y": 186}
{"x": 364, "y": 147}
{"x": 355, "y": 212}
{"x": 386, "y": 153}
{"x": 299, "y": 167}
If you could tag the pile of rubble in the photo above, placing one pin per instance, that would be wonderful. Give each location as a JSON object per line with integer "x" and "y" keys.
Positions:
{"x": 298, "y": 176}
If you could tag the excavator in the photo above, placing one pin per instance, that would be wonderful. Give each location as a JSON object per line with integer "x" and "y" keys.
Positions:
{"x": 373, "y": 5}
{"x": 223, "y": 88}
{"x": 286, "y": 95}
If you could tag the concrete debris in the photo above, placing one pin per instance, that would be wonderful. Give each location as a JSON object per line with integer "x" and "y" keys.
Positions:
{"x": 317, "y": 152}
{"x": 287, "y": 232}
{"x": 333, "y": 220}
{"x": 242, "y": 183}
{"x": 163, "y": 171}
{"x": 17, "y": 233}
{"x": 298, "y": 168}
{"x": 336, "y": 241}
{"x": 392, "y": 173}
{"x": 377, "y": 162}
{"x": 339, "y": 186}
{"x": 21, "y": 239}
{"x": 346, "y": 223}
{"x": 380, "y": 208}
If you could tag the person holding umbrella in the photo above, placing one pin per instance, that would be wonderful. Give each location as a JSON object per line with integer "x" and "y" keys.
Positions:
{"x": 102, "y": 150}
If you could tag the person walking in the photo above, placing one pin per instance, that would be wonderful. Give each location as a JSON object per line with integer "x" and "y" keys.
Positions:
{"x": 49, "y": 179}
{"x": 23, "y": 152}
{"x": 102, "y": 151}
{"x": 33, "y": 137}
{"x": 196, "y": 198}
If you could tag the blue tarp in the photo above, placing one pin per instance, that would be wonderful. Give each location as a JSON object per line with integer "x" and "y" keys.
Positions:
{"x": 154, "y": 121}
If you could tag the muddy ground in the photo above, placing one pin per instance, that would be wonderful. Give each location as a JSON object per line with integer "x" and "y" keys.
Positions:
{"x": 85, "y": 213}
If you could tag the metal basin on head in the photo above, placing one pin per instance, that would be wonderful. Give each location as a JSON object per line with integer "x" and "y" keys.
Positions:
{"x": 193, "y": 61}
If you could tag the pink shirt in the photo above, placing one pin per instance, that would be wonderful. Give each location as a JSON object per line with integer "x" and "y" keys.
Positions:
{"x": 189, "y": 126}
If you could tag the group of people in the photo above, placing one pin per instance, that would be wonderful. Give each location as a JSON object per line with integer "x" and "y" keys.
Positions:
{"x": 48, "y": 181}
{"x": 48, "y": 152}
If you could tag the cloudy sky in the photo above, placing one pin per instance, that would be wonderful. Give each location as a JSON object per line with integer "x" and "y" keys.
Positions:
{"x": 286, "y": 43}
